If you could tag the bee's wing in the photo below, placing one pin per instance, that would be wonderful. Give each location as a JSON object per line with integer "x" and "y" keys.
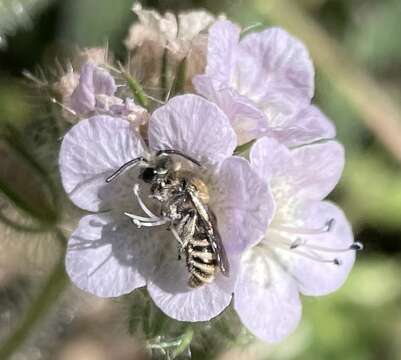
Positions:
{"x": 210, "y": 222}
{"x": 218, "y": 246}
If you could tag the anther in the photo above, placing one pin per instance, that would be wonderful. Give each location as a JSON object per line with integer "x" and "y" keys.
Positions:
{"x": 293, "y": 248}
{"x": 296, "y": 243}
{"x": 356, "y": 246}
{"x": 329, "y": 225}
{"x": 299, "y": 242}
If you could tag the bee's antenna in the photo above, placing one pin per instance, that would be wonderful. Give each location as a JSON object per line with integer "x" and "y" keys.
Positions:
{"x": 124, "y": 167}
{"x": 175, "y": 152}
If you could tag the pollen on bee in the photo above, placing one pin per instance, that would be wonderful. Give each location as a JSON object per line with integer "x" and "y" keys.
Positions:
{"x": 203, "y": 191}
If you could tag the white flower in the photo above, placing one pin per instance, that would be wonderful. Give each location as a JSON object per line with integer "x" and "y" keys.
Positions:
{"x": 156, "y": 36}
{"x": 308, "y": 247}
{"x": 108, "y": 255}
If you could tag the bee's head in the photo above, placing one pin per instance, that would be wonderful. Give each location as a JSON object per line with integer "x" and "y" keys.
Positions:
{"x": 160, "y": 170}
{"x": 148, "y": 174}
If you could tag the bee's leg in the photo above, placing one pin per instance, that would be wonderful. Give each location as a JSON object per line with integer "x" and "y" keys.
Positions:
{"x": 142, "y": 204}
{"x": 143, "y": 221}
{"x": 179, "y": 241}
{"x": 187, "y": 228}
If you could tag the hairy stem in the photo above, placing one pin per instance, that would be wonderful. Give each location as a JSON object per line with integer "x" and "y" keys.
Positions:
{"x": 184, "y": 343}
{"x": 50, "y": 292}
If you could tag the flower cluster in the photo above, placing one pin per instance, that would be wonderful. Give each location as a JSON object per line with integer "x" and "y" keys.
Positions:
{"x": 280, "y": 237}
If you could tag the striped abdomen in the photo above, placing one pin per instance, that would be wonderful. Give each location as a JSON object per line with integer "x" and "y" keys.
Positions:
{"x": 201, "y": 262}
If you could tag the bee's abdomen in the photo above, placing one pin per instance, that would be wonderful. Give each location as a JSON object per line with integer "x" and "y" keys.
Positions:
{"x": 201, "y": 262}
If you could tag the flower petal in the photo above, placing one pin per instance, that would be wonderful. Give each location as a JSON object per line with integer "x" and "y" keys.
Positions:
{"x": 308, "y": 172}
{"x": 248, "y": 121}
{"x": 306, "y": 125}
{"x": 192, "y": 23}
{"x": 269, "y": 158}
{"x": 317, "y": 278}
{"x": 93, "y": 81}
{"x": 103, "y": 82}
{"x": 83, "y": 98}
{"x": 242, "y": 203}
{"x": 222, "y": 50}
{"x": 164, "y": 26}
{"x": 169, "y": 289}
{"x": 317, "y": 169}
{"x": 266, "y": 297}
{"x": 194, "y": 126}
{"x": 105, "y": 256}
{"x": 273, "y": 62}
{"x": 90, "y": 152}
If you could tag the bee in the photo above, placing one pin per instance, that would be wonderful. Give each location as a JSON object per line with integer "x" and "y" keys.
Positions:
{"x": 183, "y": 205}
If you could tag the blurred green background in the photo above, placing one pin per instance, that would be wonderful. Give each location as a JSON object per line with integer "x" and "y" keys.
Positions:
{"x": 356, "y": 45}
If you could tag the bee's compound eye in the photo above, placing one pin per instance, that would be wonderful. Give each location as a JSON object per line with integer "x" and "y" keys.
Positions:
{"x": 148, "y": 174}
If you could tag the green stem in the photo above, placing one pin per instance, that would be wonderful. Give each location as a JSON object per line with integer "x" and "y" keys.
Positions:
{"x": 54, "y": 286}
{"x": 179, "y": 80}
{"x": 185, "y": 342}
{"x": 164, "y": 75}
{"x": 136, "y": 88}
{"x": 21, "y": 227}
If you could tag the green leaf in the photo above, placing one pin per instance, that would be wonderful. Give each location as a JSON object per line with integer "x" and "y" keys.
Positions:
{"x": 26, "y": 185}
{"x": 241, "y": 149}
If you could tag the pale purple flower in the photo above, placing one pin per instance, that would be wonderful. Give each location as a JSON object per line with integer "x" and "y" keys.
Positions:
{"x": 108, "y": 255}
{"x": 308, "y": 247}
{"x": 94, "y": 81}
{"x": 265, "y": 83}
{"x": 69, "y": 80}
{"x": 95, "y": 93}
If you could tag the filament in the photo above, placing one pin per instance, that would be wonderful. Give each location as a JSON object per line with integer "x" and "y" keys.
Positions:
{"x": 296, "y": 246}
{"x": 313, "y": 257}
{"x": 303, "y": 243}
{"x": 327, "y": 227}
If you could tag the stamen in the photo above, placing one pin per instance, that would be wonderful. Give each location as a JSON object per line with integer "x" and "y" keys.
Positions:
{"x": 301, "y": 242}
{"x": 313, "y": 257}
{"x": 296, "y": 243}
{"x": 327, "y": 227}
{"x": 141, "y": 203}
{"x": 356, "y": 246}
